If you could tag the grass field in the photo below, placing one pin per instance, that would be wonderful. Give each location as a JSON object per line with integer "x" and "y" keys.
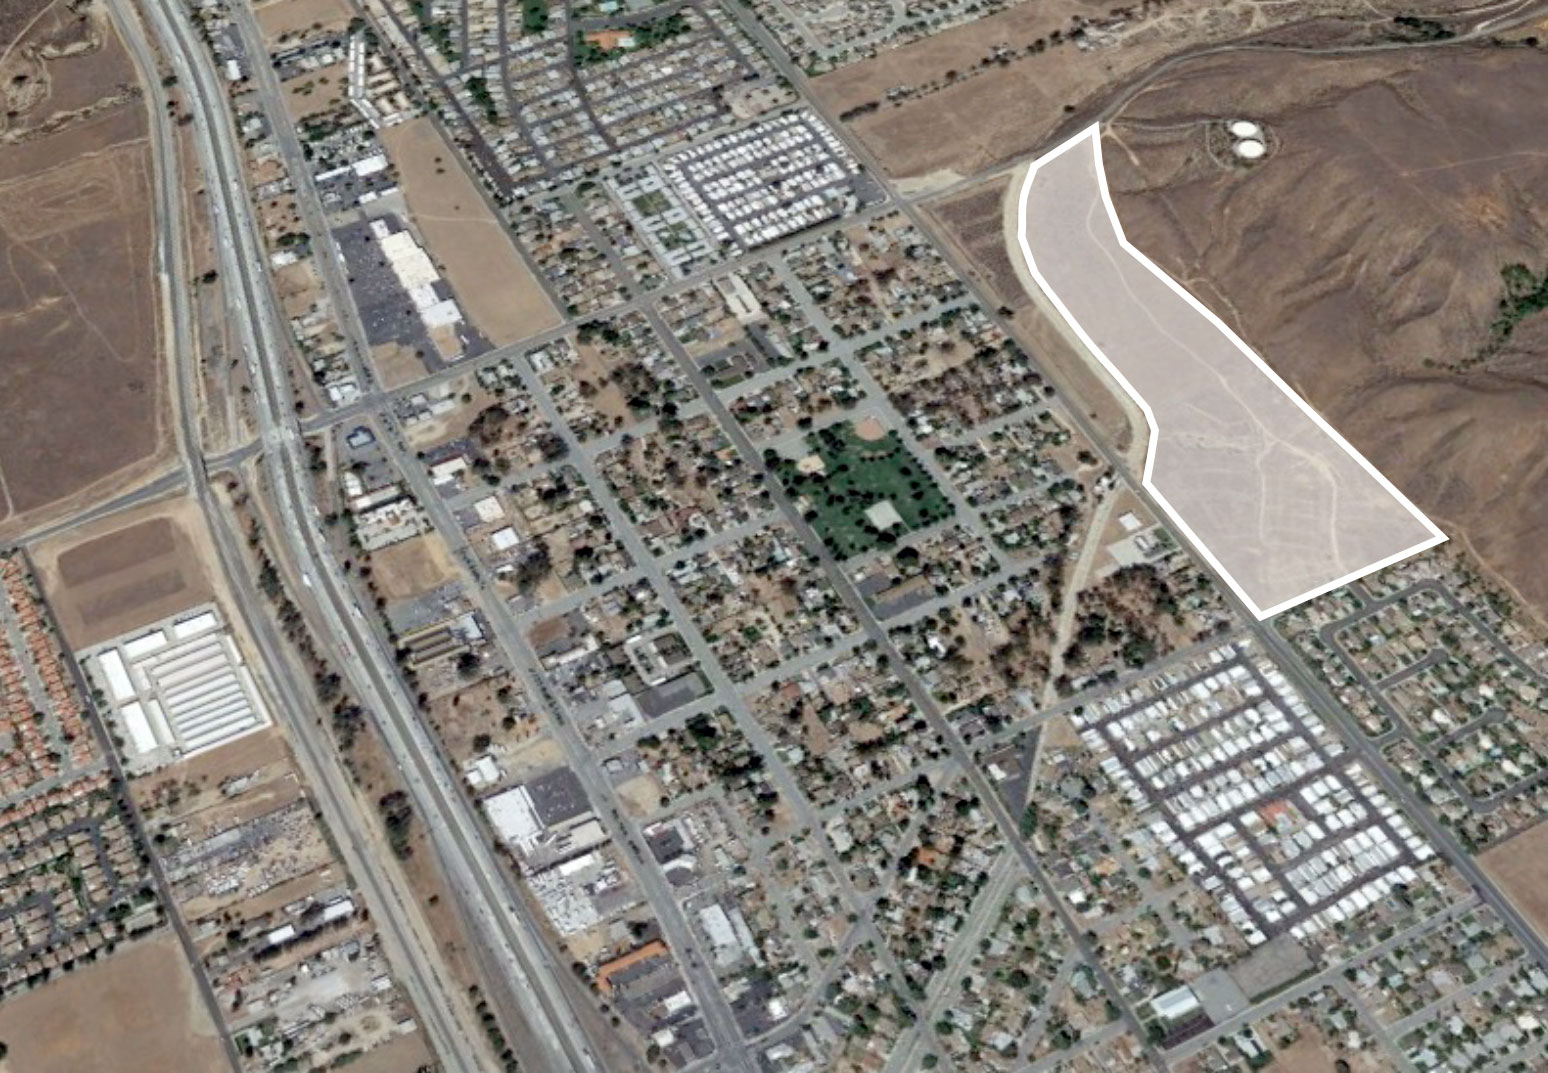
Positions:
{"x": 859, "y": 473}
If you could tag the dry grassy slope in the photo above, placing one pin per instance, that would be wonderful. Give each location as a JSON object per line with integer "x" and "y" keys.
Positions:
{"x": 1369, "y": 242}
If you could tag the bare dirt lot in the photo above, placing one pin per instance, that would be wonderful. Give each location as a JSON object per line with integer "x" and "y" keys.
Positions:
{"x": 109, "y": 578}
{"x": 142, "y": 1001}
{"x": 396, "y": 365}
{"x": 1363, "y": 259}
{"x": 317, "y": 93}
{"x": 406, "y": 1054}
{"x": 284, "y": 19}
{"x": 1520, "y": 866}
{"x": 1312, "y": 1053}
{"x": 78, "y": 332}
{"x": 496, "y": 289}
{"x": 996, "y": 89}
{"x": 412, "y": 567}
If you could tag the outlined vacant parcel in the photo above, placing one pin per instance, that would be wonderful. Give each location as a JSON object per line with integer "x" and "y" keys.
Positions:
{"x": 1267, "y": 491}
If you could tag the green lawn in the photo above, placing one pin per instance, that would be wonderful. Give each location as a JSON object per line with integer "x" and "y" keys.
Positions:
{"x": 861, "y": 474}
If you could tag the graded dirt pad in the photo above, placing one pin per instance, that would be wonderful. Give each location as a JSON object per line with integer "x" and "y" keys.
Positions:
{"x": 133, "y": 570}
{"x": 411, "y": 567}
{"x": 140, "y": 1002}
{"x": 1277, "y": 503}
{"x": 492, "y": 283}
{"x": 78, "y": 315}
{"x": 406, "y": 1054}
{"x": 1362, "y": 259}
{"x": 300, "y": 18}
{"x": 1519, "y": 866}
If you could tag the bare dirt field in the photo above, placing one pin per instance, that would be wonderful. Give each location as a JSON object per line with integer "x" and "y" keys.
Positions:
{"x": 124, "y": 572}
{"x": 996, "y": 89}
{"x": 406, "y": 1054}
{"x": 1520, "y": 866}
{"x": 412, "y": 567}
{"x": 142, "y": 1001}
{"x": 1312, "y": 1053}
{"x": 1363, "y": 259}
{"x": 78, "y": 331}
{"x": 318, "y": 92}
{"x": 283, "y": 19}
{"x": 396, "y": 365}
{"x": 493, "y": 284}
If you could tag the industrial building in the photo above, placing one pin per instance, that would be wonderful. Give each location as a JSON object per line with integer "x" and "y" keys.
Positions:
{"x": 176, "y": 689}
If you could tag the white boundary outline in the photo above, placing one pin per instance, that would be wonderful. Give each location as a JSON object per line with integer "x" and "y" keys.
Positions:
{"x": 1093, "y": 133}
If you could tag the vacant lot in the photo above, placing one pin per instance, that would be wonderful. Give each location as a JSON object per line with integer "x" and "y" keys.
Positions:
{"x": 317, "y": 92}
{"x": 860, "y": 473}
{"x": 411, "y": 567}
{"x": 1520, "y": 866}
{"x": 283, "y": 19}
{"x": 1363, "y": 259}
{"x": 492, "y": 283}
{"x": 995, "y": 89}
{"x": 78, "y": 332}
{"x": 406, "y": 1054}
{"x": 139, "y": 1005}
{"x": 112, "y": 578}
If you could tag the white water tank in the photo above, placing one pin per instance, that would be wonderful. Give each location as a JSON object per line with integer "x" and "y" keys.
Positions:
{"x": 1245, "y": 128}
{"x": 1249, "y": 149}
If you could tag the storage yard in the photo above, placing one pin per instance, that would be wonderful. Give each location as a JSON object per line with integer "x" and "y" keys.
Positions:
{"x": 177, "y": 689}
{"x": 283, "y": 938}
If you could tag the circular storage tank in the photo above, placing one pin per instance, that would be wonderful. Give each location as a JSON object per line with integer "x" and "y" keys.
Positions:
{"x": 1245, "y": 128}
{"x": 1249, "y": 149}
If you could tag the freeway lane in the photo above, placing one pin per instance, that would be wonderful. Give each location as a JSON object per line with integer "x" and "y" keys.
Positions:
{"x": 428, "y": 994}
{"x": 474, "y": 870}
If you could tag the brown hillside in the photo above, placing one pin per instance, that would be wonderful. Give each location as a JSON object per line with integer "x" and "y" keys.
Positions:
{"x": 1363, "y": 257}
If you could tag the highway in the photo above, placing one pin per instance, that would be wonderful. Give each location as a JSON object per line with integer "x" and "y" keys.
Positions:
{"x": 473, "y": 869}
{"x": 329, "y": 783}
{"x": 675, "y": 929}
